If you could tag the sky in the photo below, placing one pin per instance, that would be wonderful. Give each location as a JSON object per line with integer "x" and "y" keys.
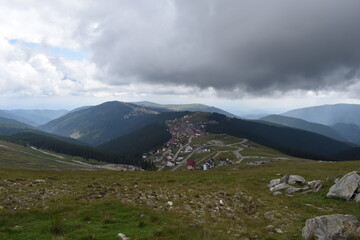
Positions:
{"x": 244, "y": 56}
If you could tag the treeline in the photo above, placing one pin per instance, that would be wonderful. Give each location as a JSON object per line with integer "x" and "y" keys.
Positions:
{"x": 86, "y": 152}
{"x": 350, "y": 154}
{"x": 292, "y": 141}
{"x": 140, "y": 141}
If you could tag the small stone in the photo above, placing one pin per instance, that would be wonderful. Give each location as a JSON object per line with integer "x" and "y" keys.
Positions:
{"x": 277, "y": 193}
{"x": 39, "y": 181}
{"x": 221, "y": 202}
{"x": 269, "y": 227}
{"x": 170, "y": 203}
{"x": 278, "y": 230}
{"x": 122, "y": 236}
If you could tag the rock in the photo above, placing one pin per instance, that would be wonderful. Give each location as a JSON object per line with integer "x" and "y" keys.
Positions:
{"x": 345, "y": 187}
{"x": 315, "y": 185}
{"x": 296, "y": 179}
{"x": 39, "y": 181}
{"x": 169, "y": 204}
{"x": 277, "y": 193}
{"x": 280, "y": 186}
{"x": 278, "y": 230}
{"x": 122, "y": 236}
{"x": 269, "y": 227}
{"x": 221, "y": 202}
{"x": 274, "y": 182}
{"x": 284, "y": 179}
{"x": 332, "y": 227}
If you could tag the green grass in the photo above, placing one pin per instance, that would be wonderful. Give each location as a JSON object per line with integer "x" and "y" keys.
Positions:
{"x": 99, "y": 205}
{"x": 20, "y": 157}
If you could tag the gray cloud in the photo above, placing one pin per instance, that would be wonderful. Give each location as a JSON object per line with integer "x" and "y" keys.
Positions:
{"x": 251, "y": 46}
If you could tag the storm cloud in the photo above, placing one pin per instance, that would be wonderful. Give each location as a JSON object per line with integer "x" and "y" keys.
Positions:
{"x": 251, "y": 46}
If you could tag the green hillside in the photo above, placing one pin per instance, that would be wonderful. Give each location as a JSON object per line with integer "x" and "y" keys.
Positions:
{"x": 292, "y": 141}
{"x": 102, "y": 123}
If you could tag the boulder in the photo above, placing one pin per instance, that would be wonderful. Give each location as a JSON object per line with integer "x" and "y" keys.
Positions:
{"x": 278, "y": 187}
{"x": 284, "y": 179}
{"x": 332, "y": 227}
{"x": 345, "y": 187}
{"x": 274, "y": 182}
{"x": 296, "y": 179}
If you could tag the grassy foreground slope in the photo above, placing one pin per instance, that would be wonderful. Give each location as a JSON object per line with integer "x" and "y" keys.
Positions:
{"x": 99, "y": 205}
{"x": 14, "y": 156}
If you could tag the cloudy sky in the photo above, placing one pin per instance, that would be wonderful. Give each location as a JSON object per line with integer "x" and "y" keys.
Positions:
{"x": 244, "y": 56}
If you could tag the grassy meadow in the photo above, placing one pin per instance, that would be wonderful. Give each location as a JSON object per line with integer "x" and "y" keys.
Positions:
{"x": 217, "y": 204}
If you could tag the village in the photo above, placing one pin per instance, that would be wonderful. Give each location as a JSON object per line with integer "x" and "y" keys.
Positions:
{"x": 178, "y": 153}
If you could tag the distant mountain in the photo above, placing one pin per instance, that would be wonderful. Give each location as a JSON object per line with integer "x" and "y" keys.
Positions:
{"x": 186, "y": 107}
{"x": 38, "y": 117}
{"x": 292, "y": 141}
{"x": 304, "y": 125}
{"x": 254, "y": 116}
{"x": 350, "y": 132}
{"x": 104, "y": 122}
{"x": 10, "y": 115}
{"x": 13, "y": 122}
{"x": 328, "y": 114}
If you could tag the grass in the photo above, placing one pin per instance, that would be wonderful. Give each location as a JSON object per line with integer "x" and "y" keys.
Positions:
{"x": 20, "y": 157}
{"x": 99, "y": 205}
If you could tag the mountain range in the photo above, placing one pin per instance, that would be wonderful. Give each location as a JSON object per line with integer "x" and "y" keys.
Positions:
{"x": 328, "y": 114}
{"x": 132, "y": 128}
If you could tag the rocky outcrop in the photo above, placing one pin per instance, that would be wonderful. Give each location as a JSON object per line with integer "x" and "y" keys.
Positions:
{"x": 332, "y": 227}
{"x": 348, "y": 187}
{"x": 294, "y": 184}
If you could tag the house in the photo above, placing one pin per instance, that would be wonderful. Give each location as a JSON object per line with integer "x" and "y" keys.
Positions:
{"x": 188, "y": 149}
{"x": 209, "y": 164}
{"x": 191, "y": 164}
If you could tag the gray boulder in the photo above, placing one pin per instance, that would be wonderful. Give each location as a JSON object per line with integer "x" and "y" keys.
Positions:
{"x": 332, "y": 227}
{"x": 292, "y": 189}
{"x": 345, "y": 187}
{"x": 274, "y": 182}
{"x": 296, "y": 179}
{"x": 278, "y": 187}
